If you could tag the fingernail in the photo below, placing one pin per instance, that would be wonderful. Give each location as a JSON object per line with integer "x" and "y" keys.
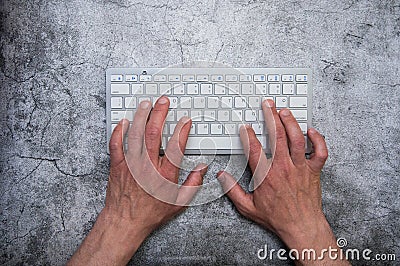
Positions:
{"x": 285, "y": 112}
{"x": 312, "y": 131}
{"x": 145, "y": 104}
{"x": 124, "y": 121}
{"x": 162, "y": 100}
{"x": 185, "y": 119}
{"x": 200, "y": 166}
{"x": 221, "y": 176}
{"x": 269, "y": 103}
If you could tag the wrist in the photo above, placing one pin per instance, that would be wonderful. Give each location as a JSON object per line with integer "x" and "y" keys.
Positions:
{"x": 113, "y": 241}
{"x": 316, "y": 235}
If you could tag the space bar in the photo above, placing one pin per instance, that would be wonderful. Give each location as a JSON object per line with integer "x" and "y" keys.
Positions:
{"x": 210, "y": 143}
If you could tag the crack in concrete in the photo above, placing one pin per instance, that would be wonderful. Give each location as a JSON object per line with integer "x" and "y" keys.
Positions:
{"x": 54, "y": 162}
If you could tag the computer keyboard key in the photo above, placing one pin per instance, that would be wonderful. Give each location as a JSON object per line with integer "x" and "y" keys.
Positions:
{"x": 287, "y": 78}
{"x": 173, "y": 102}
{"x": 130, "y": 102}
{"x": 217, "y": 78}
{"x": 219, "y": 89}
{"x": 137, "y": 89}
{"x": 174, "y": 78}
{"x": 213, "y": 102}
{"x": 275, "y": 88}
{"x": 131, "y": 77}
{"x": 116, "y": 78}
{"x": 216, "y": 129}
{"x": 180, "y": 114}
{"x": 230, "y": 129}
{"x": 303, "y": 127}
{"x": 152, "y": 88}
{"x": 119, "y": 88}
{"x": 259, "y": 78}
{"x": 116, "y": 102}
{"x": 216, "y": 143}
{"x": 223, "y": 115}
{"x": 209, "y": 115}
{"x": 254, "y": 102}
{"x": 248, "y": 88}
{"x": 192, "y": 88}
{"x": 116, "y": 116}
{"x": 298, "y": 102}
{"x": 144, "y": 78}
{"x": 240, "y": 102}
{"x": 233, "y": 88}
{"x": 178, "y": 89}
{"x": 288, "y": 88}
{"x": 141, "y": 99}
{"x": 186, "y": 102}
{"x": 160, "y": 78}
{"x": 273, "y": 77}
{"x": 202, "y": 129}
{"x": 172, "y": 128}
{"x": 165, "y": 89}
{"x": 250, "y": 115}
{"x": 196, "y": 115}
{"x": 261, "y": 89}
{"x": 237, "y": 115}
{"x": 231, "y": 78}
{"x": 206, "y": 89}
{"x": 302, "y": 89}
{"x": 245, "y": 78}
{"x": 201, "y": 78}
{"x": 226, "y": 102}
{"x": 170, "y": 116}
{"x": 281, "y": 102}
{"x": 192, "y": 129}
{"x": 188, "y": 78}
{"x": 258, "y": 128}
{"x": 301, "y": 78}
{"x": 299, "y": 114}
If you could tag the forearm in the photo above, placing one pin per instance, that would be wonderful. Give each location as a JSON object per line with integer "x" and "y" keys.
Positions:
{"x": 110, "y": 242}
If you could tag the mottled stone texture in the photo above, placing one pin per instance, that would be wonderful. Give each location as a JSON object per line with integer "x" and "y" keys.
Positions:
{"x": 53, "y": 160}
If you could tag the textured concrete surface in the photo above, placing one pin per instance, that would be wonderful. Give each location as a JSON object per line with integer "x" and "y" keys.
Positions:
{"x": 53, "y": 160}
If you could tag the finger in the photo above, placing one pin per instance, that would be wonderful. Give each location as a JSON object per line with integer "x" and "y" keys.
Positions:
{"x": 318, "y": 158}
{"x": 276, "y": 131}
{"x": 296, "y": 137}
{"x": 254, "y": 152}
{"x": 191, "y": 185}
{"x": 154, "y": 129}
{"x": 242, "y": 200}
{"x": 136, "y": 132}
{"x": 176, "y": 147}
{"x": 116, "y": 143}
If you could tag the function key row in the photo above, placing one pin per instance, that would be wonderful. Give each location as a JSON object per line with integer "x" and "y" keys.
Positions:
{"x": 209, "y": 88}
{"x": 213, "y": 78}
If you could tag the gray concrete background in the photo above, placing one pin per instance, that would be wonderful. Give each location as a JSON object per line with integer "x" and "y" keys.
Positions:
{"x": 53, "y": 156}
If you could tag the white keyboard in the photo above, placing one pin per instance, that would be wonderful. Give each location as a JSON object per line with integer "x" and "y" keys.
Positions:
{"x": 218, "y": 100}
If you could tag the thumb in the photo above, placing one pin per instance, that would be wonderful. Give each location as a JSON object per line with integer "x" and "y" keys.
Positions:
{"x": 243, "y": 201}
{"x": 191, "y": 185}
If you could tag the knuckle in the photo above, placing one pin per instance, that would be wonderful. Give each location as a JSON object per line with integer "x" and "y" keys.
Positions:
{"x": 114, "y": 145}
{"x": 299, "y": 142}
{"x": 323, "y": 155}
{"x": 153, "y": 132}
{"x": 280, "y": 133}
{"x": 254, "y": 146}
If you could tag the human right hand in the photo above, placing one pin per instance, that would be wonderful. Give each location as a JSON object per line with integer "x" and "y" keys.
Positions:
{"x": 287, "y": 199}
